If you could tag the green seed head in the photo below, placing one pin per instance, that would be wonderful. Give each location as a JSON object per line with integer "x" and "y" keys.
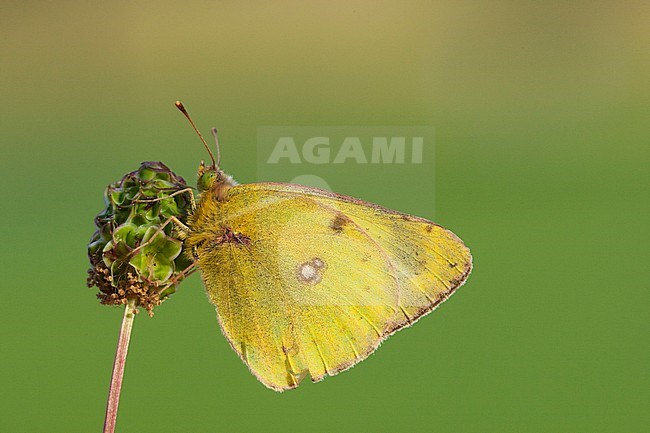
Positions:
{"x": 133, "y": 254}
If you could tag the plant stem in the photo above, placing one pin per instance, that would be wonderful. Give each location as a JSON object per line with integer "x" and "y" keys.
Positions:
{"x": 118, "y": 367}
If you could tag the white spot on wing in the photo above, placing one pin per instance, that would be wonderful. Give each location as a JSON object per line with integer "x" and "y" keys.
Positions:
{"x": 311, "y": 272}
{"x": 307, "y": 271}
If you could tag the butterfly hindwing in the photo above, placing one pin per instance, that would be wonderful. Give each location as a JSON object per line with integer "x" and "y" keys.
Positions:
{"x": 309, "y": 282}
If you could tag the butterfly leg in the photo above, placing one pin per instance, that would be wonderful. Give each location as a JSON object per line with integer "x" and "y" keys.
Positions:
{"x": 181, "y": 275}
{"x": 181, "y": 191}
{"x": 179, "y": 225}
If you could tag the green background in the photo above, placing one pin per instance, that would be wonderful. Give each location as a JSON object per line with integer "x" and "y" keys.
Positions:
{"x": 541, "y": 166}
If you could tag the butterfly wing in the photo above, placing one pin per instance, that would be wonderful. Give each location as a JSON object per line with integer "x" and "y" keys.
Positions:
{"x": 310, "y": 282}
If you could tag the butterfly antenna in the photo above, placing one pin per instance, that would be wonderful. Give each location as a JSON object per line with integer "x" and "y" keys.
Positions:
{"x": 182, "y": 109}
{"x": 216, "y": 142}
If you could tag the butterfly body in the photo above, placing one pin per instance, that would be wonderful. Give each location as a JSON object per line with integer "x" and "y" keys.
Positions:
{"x": 308, "y": 282}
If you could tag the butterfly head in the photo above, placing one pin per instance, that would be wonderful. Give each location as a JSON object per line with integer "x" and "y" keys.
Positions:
{"x": 212, "y": 178}
{"x": 208, "y": 177}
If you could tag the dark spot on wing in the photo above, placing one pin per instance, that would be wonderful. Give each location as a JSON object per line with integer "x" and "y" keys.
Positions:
{"x": 230, "y": 236}
{"x": 244, "y": 354}
{"x": 338, "y": 222}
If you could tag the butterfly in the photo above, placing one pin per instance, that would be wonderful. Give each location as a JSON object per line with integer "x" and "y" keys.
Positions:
{"x": 309, "y": 282}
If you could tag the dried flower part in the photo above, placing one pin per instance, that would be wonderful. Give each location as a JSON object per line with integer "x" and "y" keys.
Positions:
{"x": 133, "y": 254}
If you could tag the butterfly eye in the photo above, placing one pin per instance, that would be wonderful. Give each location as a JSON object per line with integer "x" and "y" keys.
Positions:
{"x": 206, "y": 180}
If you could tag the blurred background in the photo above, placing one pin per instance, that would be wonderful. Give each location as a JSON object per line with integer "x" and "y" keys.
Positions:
{"x": 540, "y": 112}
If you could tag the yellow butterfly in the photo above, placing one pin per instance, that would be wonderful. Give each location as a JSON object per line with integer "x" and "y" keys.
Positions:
{"x": 306, "y": 281}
